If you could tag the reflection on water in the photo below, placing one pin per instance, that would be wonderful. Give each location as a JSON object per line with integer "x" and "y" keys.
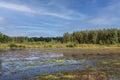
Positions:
{"x": 28, "y": 63}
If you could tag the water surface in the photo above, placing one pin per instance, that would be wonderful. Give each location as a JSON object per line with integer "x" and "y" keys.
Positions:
{"x": 27, "y": 63}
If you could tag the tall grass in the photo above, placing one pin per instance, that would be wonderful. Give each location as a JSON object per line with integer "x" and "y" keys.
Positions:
{"x": 54, "y": 45}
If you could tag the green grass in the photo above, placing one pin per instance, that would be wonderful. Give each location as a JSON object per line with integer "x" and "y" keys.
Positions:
{"x": 54, "y": 45}
{"x": 68, "y": 76}
{"x": 50, "y": 77}
{"x": 105, "y": 63}
{"x": 47, "y": 77}
{"x": 30, "y": 64}
{"x": 82, "y": 60}
{"x": 53, "y": 61}
{"x": 76, "y": 75}
{"x": 117, "y": 63}
{"x": 111, "y": 64}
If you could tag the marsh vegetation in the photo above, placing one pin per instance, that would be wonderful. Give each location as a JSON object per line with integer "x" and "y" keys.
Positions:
{"x": 60, "y": 64}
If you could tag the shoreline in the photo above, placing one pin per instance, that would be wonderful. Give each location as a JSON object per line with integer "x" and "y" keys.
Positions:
{"x": 77, "y": 52}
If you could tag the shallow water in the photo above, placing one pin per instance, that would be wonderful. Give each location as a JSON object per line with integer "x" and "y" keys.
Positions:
{"x": 27, "y": 63}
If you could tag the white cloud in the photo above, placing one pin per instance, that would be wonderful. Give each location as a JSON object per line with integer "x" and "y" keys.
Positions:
{"x": 2, "y": 20}
{"x": 16, "y": 7}
{"x": 57, "y": 15}
{"x": 108, "y": 15}
{"x": 67, "y": 14}
{"x": 103, "y": 20}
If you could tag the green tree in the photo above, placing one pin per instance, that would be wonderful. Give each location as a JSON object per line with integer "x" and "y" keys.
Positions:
{"x": 66, "y": 37}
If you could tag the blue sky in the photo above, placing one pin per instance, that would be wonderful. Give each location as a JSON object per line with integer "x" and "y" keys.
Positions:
{"x": 55, "y": 17}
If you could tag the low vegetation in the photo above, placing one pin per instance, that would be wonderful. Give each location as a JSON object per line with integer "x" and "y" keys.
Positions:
{"x": 78, "y": 75}
{"x": 30, "y": 64}
{"x": 53, "y": 61}
{"x": 111, "y": 64}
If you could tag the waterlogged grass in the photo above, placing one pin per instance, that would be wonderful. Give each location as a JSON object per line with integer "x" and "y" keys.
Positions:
{"x": 30, "y": 64}
{"x": 77, "y": 75}
{"x": 105, "y": 63}
{"x": 117, "y": 63}
{"x": 53, "y": 61}
{"x": 68, "y": 76}
{"x": 111, "y": 64}
{"x": 59, "y": 61}
{"x": 82, "y": 60}
{"x": 89, "y": 67}
{"x": 47, "y": 77}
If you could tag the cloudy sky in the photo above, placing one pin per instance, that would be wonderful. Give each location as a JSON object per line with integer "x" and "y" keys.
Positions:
{"x": 54, "y": 17}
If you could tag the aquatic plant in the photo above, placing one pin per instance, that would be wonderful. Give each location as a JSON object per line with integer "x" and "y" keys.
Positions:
{"x": 111, "y": 64}
{"x": 75, "y": 75}
{"x": 68, "y": 76}
{"x": 105, "y": 63}
{"x": 82, "y": 60}
{"x": 30, "y": 64}
{"x": 117, "y": 63}
{"x": 47, "y": 77}
{"x": 53, "y": 61}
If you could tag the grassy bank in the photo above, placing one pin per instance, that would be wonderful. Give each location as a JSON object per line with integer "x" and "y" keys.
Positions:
{"x": 80, "y": 75}
{"x": 54, "y": 45}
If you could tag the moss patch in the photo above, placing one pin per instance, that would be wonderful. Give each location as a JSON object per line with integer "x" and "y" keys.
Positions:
{"x": 30, "y": 64}
{"x": 47, "y": 77}
{"x": 53, "y": 61}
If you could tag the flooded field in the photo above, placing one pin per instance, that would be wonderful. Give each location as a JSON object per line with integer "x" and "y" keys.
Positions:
{"x": 60, "y": 64}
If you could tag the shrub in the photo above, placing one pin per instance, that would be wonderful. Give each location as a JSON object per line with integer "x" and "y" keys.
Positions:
{"x": 71, "y": 45}
{"x": 12, "y": 45}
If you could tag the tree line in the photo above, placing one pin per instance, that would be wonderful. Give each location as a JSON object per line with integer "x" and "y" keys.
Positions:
{"x": 105, "y": 36}
{"x": 21, "y": 39}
